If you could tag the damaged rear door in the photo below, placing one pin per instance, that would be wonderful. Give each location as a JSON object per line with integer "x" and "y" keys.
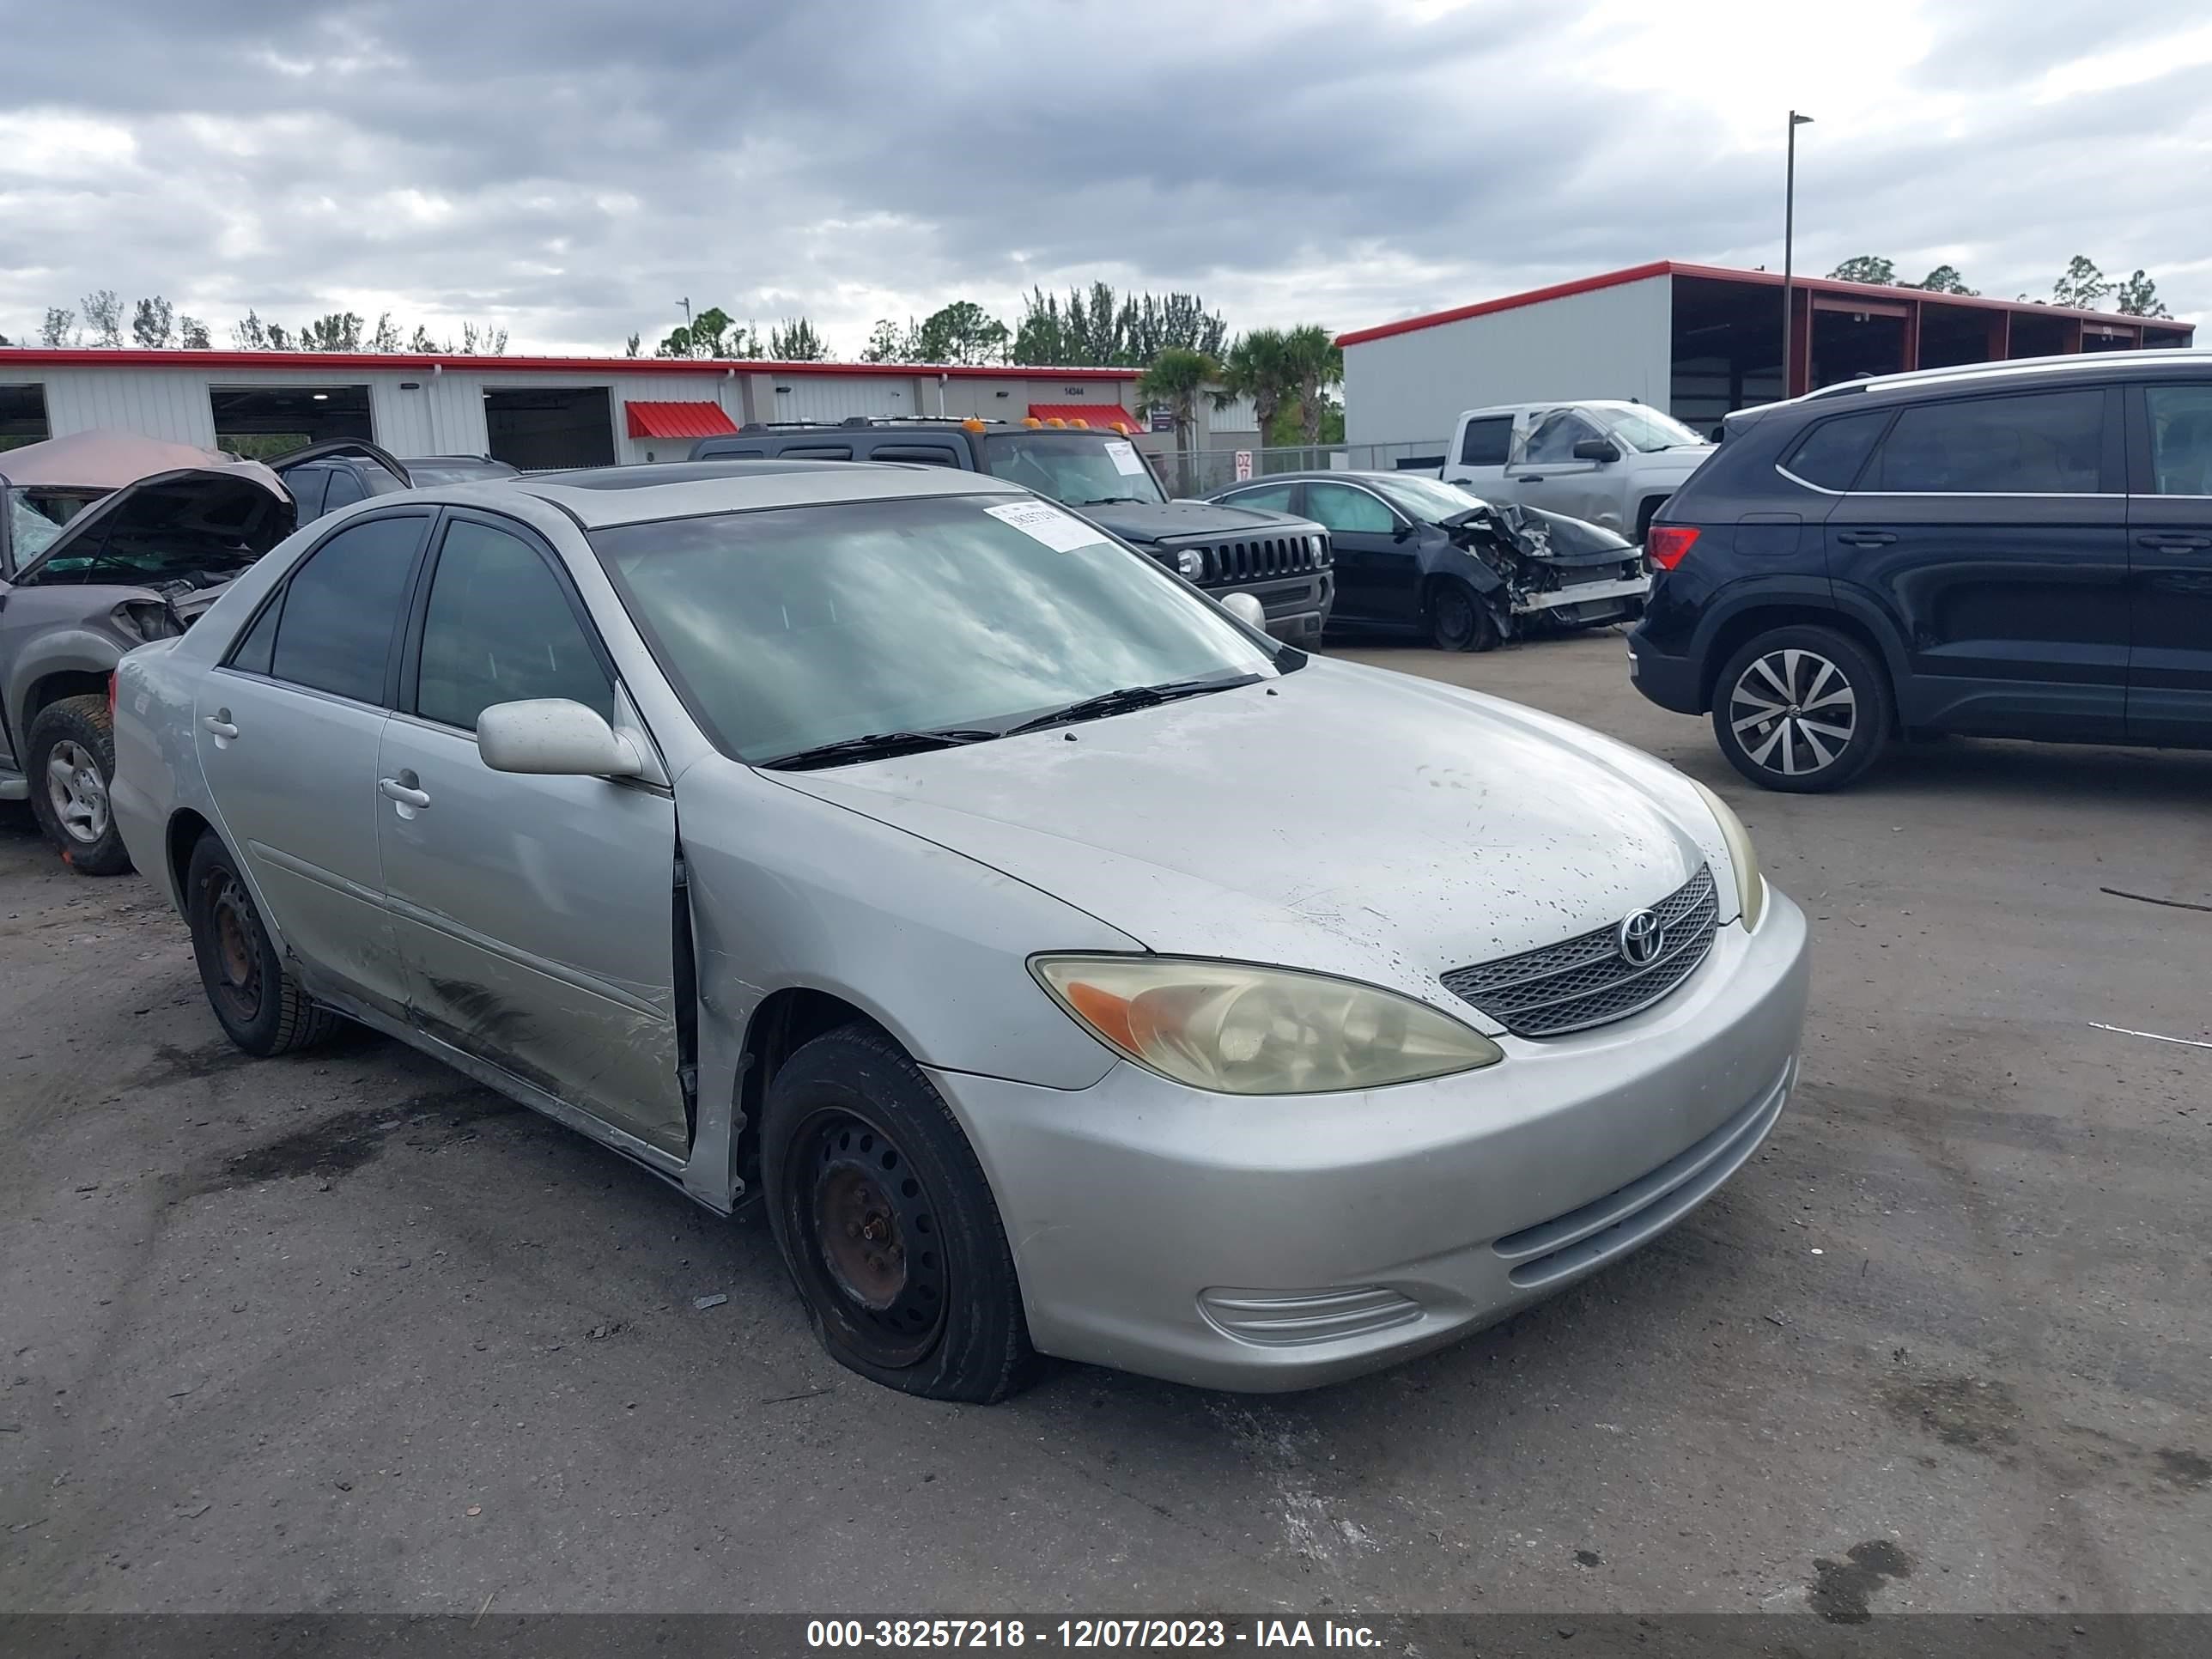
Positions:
{"x": 535, "y": 914}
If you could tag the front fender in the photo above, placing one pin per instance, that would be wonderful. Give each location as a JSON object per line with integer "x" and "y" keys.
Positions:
{"x": 77, "y": 649}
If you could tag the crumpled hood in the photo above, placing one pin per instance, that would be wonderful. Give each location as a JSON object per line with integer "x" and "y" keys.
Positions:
{"x": 1147, "y": 521}
{"x": 1356, "y": 822}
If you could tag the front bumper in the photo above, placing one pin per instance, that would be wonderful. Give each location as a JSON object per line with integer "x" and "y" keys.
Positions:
{"x": 1297, "y": 607}
{"x": 1273, "y": 1243}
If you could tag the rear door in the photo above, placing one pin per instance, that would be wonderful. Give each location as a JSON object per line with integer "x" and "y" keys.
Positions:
{"x": 288, "y": 727}
{"x": 1480, "y": 453}
{"x": 2170, "y": 522}
{"x": 1376, "y": 553}
{"x": 536, "y": 915}
{"x": 1993, "y": 531}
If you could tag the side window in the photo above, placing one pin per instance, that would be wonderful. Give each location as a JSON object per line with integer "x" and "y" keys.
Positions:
{"x": 2180, "y": 439}
{"x": 1831, "y": 453}
{"x": 307, "y": 484}
{"x": 1270, "y": 498}
{"x": 345, "y": 489}
{"x": 818, "y": 451}
{"x": 1347, "y": 511}
{"x": 254, "y": 653}
{"x": 1555, "y": 439}
{"x": 924, "y": 454}
{"x": 2041, "y": 443}
{"x": 339, "y": 608}
{"x": 1485, "y": 441}
{"x": 498, "y": 629}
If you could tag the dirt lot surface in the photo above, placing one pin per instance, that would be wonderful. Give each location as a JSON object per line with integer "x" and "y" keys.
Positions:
{"x": 348, "y": 1333}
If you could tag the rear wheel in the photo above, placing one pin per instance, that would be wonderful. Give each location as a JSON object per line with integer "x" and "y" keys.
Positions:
{"x": 1802, "y": 709}
{"x": 1457, "y": 620}
{"x": 71, "y": 754}
{"x": 256, "y": 998}
{"x": 887, "y": 1224}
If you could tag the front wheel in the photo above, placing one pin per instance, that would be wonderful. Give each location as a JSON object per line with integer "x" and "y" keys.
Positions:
{"x": 71, "y": 753}
{"x": 887, "y": 1225}
{"x": 1457, "y": 620}
{"x": 1801, "y": 709}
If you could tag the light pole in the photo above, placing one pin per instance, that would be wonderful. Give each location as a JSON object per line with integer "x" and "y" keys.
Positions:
{"x": 1789, "y": 235}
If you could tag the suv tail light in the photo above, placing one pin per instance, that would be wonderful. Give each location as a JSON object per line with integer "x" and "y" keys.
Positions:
{"x": 1666, "y": 543}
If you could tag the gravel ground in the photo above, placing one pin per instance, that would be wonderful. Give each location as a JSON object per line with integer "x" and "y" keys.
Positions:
{"x": 346, "y": 1333}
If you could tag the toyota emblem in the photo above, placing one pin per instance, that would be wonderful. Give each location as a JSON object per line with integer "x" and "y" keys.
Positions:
{"x": 1642, "y": 937}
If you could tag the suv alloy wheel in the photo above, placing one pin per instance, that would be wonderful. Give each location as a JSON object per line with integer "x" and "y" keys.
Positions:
{"x": 1801, "y": 709}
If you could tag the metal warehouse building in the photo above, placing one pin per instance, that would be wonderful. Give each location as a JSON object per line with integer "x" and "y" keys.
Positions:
{"x": 1697, "y": 340}
{"x": 532, "y": 412}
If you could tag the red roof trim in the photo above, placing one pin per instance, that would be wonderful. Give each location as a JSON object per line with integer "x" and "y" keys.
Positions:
{"x": 1762, "y": 278}
{"x": 691, "y": 419}
{"x": 132, "y": 356}
{"x": 1097, "y": 415}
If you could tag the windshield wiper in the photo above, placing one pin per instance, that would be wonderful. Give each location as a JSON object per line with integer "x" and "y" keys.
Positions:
{"x": 875, "y": 745}
{"x": 1127, "y": 697}
{"x": 1112, "y": 501}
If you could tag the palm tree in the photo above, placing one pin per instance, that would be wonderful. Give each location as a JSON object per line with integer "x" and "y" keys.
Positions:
{"x": 1258, "y": 367}
{"x": 1315, "y": 361}
{"x": 1179, "y": 377}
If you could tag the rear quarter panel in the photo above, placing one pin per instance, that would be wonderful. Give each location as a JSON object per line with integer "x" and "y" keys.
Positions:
{"x": 157, "y": 768}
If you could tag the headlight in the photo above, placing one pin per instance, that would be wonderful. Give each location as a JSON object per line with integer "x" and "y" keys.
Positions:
{"x": 1750, "y": 885}
{"x": 1243, "y": 1030}
{"x": 1191, "y": 563}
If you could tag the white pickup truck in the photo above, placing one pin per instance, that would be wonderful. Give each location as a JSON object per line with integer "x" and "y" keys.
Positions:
{"x": 1610, "y": 463}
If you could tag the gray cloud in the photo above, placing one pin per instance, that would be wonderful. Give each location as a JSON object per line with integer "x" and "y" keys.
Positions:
{"x": 570, "y": 170}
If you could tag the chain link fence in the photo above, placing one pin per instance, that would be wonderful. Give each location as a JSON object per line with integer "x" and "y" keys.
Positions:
{"x": 1202, "y": 471}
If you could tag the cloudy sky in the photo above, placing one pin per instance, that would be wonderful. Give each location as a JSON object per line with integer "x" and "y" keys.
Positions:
{"x": 569, "y": 169}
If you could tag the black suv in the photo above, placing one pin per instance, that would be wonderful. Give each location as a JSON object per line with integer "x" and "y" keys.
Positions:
{"x": 1283, "y": 563}
{"x": 2014, "y": 551}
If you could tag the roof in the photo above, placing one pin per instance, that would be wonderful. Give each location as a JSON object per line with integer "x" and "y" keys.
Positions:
{"x": 2191, "y": 360}
{"x": 1754, "y": 278}
{"x": 1100, "y": 415}
{"x": 604, "y": 496}
{"x": 696, "y": 418}
{"x": 109, "y": 460}
{"x": 169, "y": 357}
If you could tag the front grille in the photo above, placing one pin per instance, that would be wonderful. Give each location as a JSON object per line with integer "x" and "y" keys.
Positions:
{"x": 1585, "y": 980}
{"x": 1255, "y": 558}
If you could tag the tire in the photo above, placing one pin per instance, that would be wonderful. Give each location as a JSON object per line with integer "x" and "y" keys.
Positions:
{"x": 1456, "y": 618}
{"x": 933, "y": 1308}
{"x": 257, "y": 1000}
{"x": 1796, "y": 673}
{"x": 72, "y": 764}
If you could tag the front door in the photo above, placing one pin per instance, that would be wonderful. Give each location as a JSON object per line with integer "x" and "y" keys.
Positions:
{"x": 1376, "y": 581}
{"x": 1992, "y": 531}
{"x": 288, "y": 728}
{"x": 1548, "y": 474}
{"x": 536, "y": 915}
{"x": 2170, "y": 522}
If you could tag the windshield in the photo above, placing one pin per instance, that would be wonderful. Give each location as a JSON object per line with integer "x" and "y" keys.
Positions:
{"x": 36, "y": 515}
{"x": 792, "y": 628}
{"x": 1425, "y": 499}
{"x": 1647, "y": 430}
{"x": 1083, "y": 469}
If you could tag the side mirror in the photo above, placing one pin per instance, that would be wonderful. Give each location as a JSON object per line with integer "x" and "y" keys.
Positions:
{"x": 1402, "y": 532}
{"x": 1247, "y": 610}
{"x": 554, "y": 737}
{"x": 1596, "y": 449}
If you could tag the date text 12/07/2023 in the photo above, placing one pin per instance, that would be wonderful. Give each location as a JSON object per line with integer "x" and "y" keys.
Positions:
{"x": 830, "y": 1634}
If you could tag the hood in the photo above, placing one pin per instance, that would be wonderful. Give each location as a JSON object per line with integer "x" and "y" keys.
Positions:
{"x": 1675, "y": 464}
{"x": 1356, "y": 822}
{"x": 107, "y": 460}
{"x": 1142, "y": 522}
{"x": 1553, "y": 538}
{"x": 193, "y": 524}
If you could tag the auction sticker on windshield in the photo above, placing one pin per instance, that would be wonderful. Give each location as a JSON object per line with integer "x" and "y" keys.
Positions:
{"x": 1123, "y": 454}
{"x": 1061, "y": 531}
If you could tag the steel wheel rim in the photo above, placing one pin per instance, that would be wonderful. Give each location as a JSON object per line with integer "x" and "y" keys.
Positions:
{"x": 236, "y": 955}
{"x": 869, "y": 1237}
{"x": 1793, "y": 712}
{"x": 1454, "y": 615}
{"x": 76, "y": 792}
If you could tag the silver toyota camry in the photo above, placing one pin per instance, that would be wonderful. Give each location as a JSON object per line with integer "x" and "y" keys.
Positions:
{"x": 1066, "y": 966}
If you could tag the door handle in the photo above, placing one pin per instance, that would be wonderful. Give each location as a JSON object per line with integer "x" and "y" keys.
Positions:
{"x": 392, "y": 789}
{"x": 2172, "y": 539}
{"x": 1865, "y": 538}
{"x": 216, "y": 726}
{"x": 1534, "y": 477}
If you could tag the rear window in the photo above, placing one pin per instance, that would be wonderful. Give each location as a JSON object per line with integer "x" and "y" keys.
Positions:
{"x": 2043, "y": 443}
{"x": 1485, "y": 442}
{"x": 1831, "y": 453}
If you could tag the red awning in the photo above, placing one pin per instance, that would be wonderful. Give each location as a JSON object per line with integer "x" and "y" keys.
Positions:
{"x": 1108, "y": 415}
{"x": 684, "y": 420}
